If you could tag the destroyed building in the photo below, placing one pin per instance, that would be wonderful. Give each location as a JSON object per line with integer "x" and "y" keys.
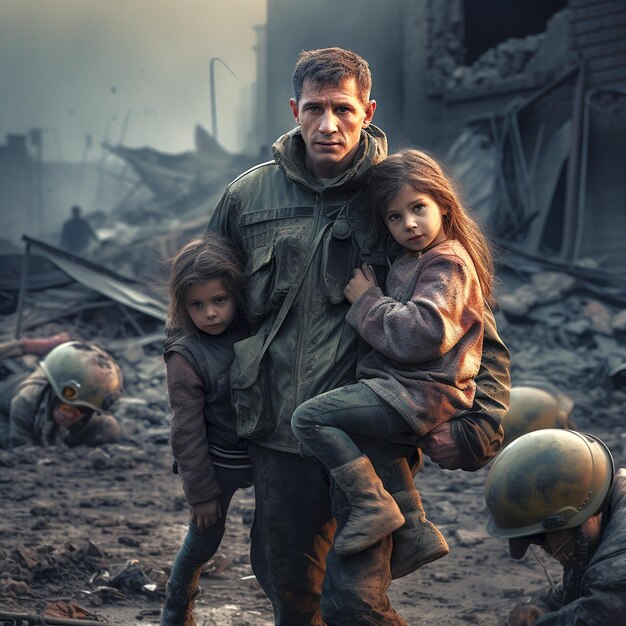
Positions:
{"x": 525, "y": 100}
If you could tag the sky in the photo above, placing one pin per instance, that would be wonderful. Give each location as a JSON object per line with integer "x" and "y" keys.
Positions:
{"x": 128, "y": 71}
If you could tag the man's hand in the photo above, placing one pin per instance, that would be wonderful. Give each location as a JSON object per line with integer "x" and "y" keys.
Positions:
{"x": 205, "y": 514}
{"x": 524, "y": 614}
{"x": 441, "y": 447}
{"x": 362, "y": 280}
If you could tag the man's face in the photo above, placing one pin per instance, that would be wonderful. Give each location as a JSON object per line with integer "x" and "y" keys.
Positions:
{"x": 66, "y": 415}
{"x": 331, "y": 118}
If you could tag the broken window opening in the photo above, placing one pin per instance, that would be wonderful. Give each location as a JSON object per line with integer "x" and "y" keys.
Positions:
{"x": 486, "y": 25}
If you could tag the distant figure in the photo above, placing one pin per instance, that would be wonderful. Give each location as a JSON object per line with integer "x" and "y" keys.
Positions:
{"x": 77, "y": 233}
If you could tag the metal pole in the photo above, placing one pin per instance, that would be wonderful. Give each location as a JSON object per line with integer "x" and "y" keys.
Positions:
{"x": 22, "y": 293}
{"x": 212, "y": 89}
{"x": 213, "y": 105}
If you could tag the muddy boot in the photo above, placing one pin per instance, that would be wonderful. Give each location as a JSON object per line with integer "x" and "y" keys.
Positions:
{"x": 178, "y": 609}
{"x": 373, "y": 512}
{"x": 419, "y": 541}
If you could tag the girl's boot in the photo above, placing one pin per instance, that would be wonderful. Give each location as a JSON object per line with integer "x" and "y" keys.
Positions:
{"x": 179, "y": 603}
{"x": 418, "y": 541}
{"x": 373, "y": 515}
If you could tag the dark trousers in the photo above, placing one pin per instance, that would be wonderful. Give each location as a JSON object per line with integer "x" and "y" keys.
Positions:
{"x": 200, "y": 545}
{"x": 292, "y": 554}
{"x": 325, "y": 425}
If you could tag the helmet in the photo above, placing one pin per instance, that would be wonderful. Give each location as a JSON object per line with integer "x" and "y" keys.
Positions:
{"x": 547, "y": 480}
{"x": 535, "y": 406}
{"x": 83, "y": 375}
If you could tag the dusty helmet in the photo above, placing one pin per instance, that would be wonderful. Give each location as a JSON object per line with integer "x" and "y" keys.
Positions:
{"x": 83, "y": 375}
{"x": 547, "y": 480}
{"x": 534, "y": 406}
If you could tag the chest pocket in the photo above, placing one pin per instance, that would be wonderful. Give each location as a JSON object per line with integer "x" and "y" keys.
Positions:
{"x": 274, "y": 247}
{"x": 351, "y": 241}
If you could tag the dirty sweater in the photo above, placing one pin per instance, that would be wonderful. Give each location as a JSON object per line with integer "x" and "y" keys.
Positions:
{"x": 426, "y": 335}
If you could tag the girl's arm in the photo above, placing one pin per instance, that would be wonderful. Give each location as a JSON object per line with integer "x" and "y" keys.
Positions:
{"x": 188, "y": 431}
{"x": 446, "y": 303}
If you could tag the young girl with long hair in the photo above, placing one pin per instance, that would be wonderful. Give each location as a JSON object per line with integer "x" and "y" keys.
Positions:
{"x": 425, "y": 332}
{"x": 205, "y": 318}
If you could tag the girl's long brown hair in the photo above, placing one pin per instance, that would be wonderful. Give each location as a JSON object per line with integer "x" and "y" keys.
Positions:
{"x": 202, "y": 259}
{"x": 422, "y": 172}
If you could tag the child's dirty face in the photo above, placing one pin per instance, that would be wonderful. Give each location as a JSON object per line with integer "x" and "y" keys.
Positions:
{"x": 414, "y": 219}
{"x": 66, "y": 415}
{"x": 210, "y": 306}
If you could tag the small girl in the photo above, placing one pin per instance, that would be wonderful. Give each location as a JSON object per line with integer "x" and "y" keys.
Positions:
{"x": 426, "y": 336}
{"x": 205, "y": 318}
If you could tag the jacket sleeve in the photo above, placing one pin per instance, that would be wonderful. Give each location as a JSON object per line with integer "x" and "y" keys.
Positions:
{"x": 224, "y": 220}
{"x": 604, "y": 603}
{"x": 188, "y": 431}
{"x": 478, "y": 432}
{"x": 22, "y": 419}
{"x": 446, "y": 304}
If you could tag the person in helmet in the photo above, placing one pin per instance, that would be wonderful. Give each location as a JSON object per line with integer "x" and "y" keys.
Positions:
{"x": 558, "y": 489}
{"x": 65, "y": 400}
{"x": 536, "y": 405}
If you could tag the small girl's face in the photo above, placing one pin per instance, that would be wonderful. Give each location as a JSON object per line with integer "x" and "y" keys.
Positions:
{"x": 414, "y": 219}
{"x": 210, "y": 306}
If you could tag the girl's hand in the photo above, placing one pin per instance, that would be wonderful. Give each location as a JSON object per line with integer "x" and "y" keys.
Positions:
{"x": 362, "y": 280}
{"x": 205, "y": 514}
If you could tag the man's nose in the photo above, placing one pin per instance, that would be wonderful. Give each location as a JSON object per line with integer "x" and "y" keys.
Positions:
{"x": 328, "y": 123}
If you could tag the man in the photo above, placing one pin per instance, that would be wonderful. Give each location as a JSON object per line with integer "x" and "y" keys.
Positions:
{"x": 77, "y": 234}
{"x": 63, "y": 401}
{"x": 558, "y": 489}
{"x": 274, "y": 212}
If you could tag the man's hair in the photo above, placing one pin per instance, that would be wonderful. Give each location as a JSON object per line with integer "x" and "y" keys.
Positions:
{"x": 76, "y": 210}
{"x": 329, "y": 66}
{"x": 203, "y": 259}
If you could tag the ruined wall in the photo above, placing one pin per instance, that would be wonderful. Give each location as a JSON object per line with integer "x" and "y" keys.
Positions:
{"x": 369, "y": 27}
{"x": 17, "y": 198}
{"x": 598, "y": 34}
{"x": 446, "y": 92}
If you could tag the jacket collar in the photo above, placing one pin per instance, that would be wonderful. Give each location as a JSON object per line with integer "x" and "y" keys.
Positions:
{"x": 289, "y": 153}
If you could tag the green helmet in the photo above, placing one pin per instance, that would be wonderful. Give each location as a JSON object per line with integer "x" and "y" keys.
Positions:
{"x": 534, "y": 406}
{"x": 547, "y": 480}
{"x": 83, "y": 375}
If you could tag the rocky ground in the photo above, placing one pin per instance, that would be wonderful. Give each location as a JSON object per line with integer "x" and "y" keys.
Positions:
{"x": 95, "y": 531}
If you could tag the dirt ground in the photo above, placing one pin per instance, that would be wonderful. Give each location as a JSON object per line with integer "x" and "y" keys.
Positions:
{"x": 100, "y": 527}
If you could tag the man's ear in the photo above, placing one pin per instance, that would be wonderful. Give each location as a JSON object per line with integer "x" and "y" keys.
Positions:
{"x": 294, "y": 109}
{"x": 369, "y": 113}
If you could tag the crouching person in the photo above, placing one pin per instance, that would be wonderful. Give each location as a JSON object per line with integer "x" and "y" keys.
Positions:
{"x": 64, "y": 401}
{"x": 558, "y": 489}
